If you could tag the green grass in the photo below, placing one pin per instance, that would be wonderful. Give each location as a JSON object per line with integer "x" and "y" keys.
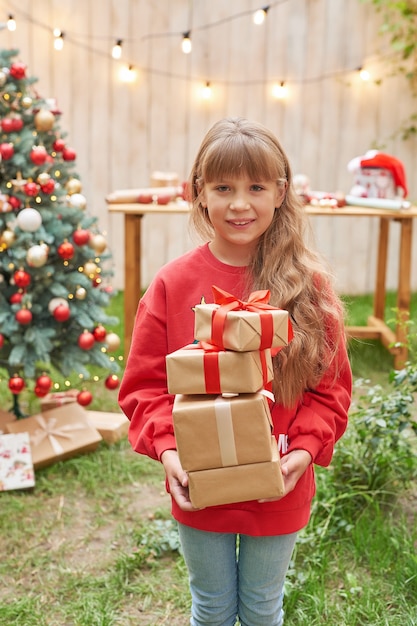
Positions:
{"x": 93, "y": 543}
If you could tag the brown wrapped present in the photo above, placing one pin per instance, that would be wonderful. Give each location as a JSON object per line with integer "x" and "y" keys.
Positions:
{"x": 58, "y": 398}
{"x": 232, "y": 324}
{"x": 111, "y": 426}
{"x": 201, "y": 368}
{"x": 239, "y": 483}
{"x": 214, "y": 431}
{"x": 57, "y": 434}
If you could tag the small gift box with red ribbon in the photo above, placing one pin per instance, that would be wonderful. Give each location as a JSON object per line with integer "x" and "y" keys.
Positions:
{"x": 207, "y": 369}
{"x": 233, "y": 324}
{"x": 58, "y": 398}
{"x": 57, "y": 434}
{"x": 238, "y": 483}
{"x": 217, "y": 431}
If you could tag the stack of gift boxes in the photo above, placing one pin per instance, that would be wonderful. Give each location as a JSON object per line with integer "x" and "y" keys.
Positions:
{"x": 221, "y": 413}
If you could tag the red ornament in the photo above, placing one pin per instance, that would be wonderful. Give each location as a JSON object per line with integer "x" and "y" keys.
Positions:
{"x": 38, "y": 155}
{"x": 23, "y": 316}
{"x": 58, "y": 145}
{"x": 112, "y": 381}
{"x": 48, "y": 187}
{"x": 84, "y": 398}
{"x": 145, "y": 198}
{"x": 40, "y": 393}
{"x": 1, "y": 341}
{"x": 44, "y": 383}
{"x": 66, "y": 250}
{"x": 81, "y": 237}
{"x": 16, "y": 298}
{"x": 7, "y": 124}
{"x": 6, "y": 151}
{"x": 69, "y": 154}
{"x": 163, "y": 199}
{"x": 86, "y": 340}
{"x": 21, "y": 278}
{"x": 99, "y": 333}
{"x": 17, "y": 123}
{"x": 18, "y": 71}
{"x": 16, "y": 384}
{"x": 15, "y": 202}
{"x": 31, "y": 189}
{"x": 62, "y": 313}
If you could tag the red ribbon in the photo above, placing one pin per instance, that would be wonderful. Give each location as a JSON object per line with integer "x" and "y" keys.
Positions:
{"x": 257, "y": 303}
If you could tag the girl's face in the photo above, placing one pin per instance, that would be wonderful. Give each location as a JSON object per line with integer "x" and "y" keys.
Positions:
{"x": 240, "y": 211}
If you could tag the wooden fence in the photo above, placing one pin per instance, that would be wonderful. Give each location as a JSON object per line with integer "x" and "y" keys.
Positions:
{"x": 122, "y": 132}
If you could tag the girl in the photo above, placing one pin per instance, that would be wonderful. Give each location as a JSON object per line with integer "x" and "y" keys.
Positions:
{"x": 244, "y": 205}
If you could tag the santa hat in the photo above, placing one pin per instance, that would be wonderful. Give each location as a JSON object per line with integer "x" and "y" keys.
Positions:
{"x": 373, "y": 158}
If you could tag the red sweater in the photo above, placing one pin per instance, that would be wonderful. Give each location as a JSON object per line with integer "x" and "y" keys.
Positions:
{"x": 164, "y": 323}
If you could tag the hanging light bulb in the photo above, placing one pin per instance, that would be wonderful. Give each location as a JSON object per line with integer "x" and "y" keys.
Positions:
{"x": 260, "y": 15}
{"x": 279, "y": 91}
{"x": 11, "y": 23}
{"x": 186, "y": 44}
{"x": 364, "y": 74}
{"x": 117, "y": 49}
{"x": 127, "y": 74}
{"x": 59, "y": 39}
{"x": 206, "y": 91}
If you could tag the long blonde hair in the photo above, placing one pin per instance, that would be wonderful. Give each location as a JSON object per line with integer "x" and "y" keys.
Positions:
{"x": 283, "y": 263}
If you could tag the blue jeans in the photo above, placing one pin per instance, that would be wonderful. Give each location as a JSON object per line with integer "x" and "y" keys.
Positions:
{"x": 236, "y": 576}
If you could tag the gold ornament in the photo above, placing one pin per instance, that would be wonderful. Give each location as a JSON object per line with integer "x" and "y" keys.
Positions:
{"x": 26, "y": 102}
{"x": 7, "y": 238}
{"x": 90, "y": 269}
{"x": 43, "y": 178}
{"x": 44, "y": 120}
{"x": 98, "y": 243}
{"x": 81, "y": 293}
{"x": 112, "y": 341}
{"x": 73, "y": 185}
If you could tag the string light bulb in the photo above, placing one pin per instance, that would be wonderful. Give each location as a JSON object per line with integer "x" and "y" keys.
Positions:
{"x": 280, "y": 91}
{"x": 206, "y": 91}
{"x": 59, "y": 39}
{"x": 11, "y": 23}
{"x": 117, "y": 49}
{"x": 186, "y": 45}
{"x": 127, "y": 74}
{"x": 364, "y": 74}
{"x": 260, "y": 15}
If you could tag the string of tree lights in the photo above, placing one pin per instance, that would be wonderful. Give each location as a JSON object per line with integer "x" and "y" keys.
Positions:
{"x": 128, "y": 70}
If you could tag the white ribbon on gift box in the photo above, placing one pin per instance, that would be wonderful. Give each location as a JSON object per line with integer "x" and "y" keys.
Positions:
{"x": 226, "y": 436}
{"x": 48, "y": 430}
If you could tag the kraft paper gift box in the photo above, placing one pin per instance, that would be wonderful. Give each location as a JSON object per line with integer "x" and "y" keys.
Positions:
{"x": 58, "y": 434}
{"x": 238, "y": 483}
{"x": 199, "y": 369}
{"x": 232, "y": 324}
{"x": 16, "y": 466}
{"x": 58, "y": 398}
{"x": 5, "y": 418}
{"x": 111, "y": 426}
{"x": 213, "y": 431}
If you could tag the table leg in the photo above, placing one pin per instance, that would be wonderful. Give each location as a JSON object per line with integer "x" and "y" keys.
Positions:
{"x": 132, "y": 274}
{"x": 404, "y": 291}
{"x": 381, "y": 270}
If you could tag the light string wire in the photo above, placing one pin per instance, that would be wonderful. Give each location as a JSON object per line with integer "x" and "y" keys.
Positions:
{"x": 75, "y": 39}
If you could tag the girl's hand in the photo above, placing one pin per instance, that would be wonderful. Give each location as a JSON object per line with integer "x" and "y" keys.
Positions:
{"x": 293, "y": 466}
{"x": 177, "y": 480}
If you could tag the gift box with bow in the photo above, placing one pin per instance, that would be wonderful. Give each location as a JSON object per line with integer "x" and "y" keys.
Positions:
{"x": 218, "y": 431}
{"x": 57, "y": 434}
{"x": 238, "y": 483}
{"x": 233, "y": 324}
{"x": 205, "y": 369}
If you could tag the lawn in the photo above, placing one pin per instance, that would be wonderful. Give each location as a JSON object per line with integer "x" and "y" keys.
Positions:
{"x": 93, "y": 543}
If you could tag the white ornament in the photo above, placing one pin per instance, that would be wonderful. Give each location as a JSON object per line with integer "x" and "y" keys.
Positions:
{"x": 29, "y": 220}
{"x": 56, "y": 302}
{"x": 77, "y": 200}
{"x": 37, "y": 256}
{"x": 113, "y": 341}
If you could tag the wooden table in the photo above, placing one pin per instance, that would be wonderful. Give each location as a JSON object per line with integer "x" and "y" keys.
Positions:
{"x": 376, "y": 328}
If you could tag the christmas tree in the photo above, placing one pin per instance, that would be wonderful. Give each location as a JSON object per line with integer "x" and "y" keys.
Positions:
{"x": 53, "y": 257}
